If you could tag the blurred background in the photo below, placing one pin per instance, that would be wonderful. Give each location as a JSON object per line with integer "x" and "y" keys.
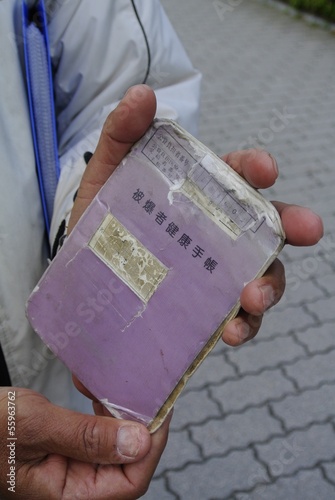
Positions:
{"x": 258, "y": 422}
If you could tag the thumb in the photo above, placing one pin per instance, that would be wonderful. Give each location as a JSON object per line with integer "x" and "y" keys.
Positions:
{"x": 89, "y": 438}
{"x": 97, "y": 439}
{"x": 123, "y": 127}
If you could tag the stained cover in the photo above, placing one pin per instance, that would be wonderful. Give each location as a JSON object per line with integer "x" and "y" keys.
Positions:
{"x": 143, "y": 286}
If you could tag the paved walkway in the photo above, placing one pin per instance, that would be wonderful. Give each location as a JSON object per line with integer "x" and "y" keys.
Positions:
{"x": 258, "y": 422}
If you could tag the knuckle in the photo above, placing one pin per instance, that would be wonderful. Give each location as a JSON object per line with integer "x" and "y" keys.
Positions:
{"x": 92, "y": 439}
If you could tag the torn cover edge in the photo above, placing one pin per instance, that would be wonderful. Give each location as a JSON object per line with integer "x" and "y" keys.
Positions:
{"x": 229, "y": 181}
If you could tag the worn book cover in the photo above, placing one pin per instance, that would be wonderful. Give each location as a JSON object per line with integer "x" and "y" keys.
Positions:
{"x": 139, "y": 293}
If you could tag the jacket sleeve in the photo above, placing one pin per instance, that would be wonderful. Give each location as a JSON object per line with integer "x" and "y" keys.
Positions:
{"x": 100, "y": 49}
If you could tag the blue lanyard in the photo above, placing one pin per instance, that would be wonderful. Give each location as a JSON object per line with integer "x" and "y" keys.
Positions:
{"x": 41, "y": 103}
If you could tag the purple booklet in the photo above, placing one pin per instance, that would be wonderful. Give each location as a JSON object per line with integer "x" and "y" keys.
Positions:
{"x": 140, "y": 291}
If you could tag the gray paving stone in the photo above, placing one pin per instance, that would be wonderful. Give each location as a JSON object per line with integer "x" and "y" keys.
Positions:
{"x": 157, "y": 490}
{"x": 178, "y": 452}
{"x": 308, "y": 196}
{"x": 322, "y": 251}
{"x": 193, "y": 407}
{"x": 328, "y": 225}
{"x": 304, "y": 197}
{"x": 213, "y": 370}
{"x": 304, "y": 161}
{"x": 323, "y": 206}
{"x": 293, "y": 318}
{"x": 297, "y": 293}
{"x": 329, "y": 469}
{"x": 299, "y": 450}
{"x": 323, "y": 309}
{"x": 313, "y": 266}
{"x": 240, "y": 393}
{"x": 312, "y": 371}
{"x": 310, "y": 406}
{"x": 256, "y": 356}
{"x": 325, "y": 176}
{"x": 306, "y": 485}
{"x": 318, "y": 338}
{"x": 305, "y": 184}
{"x": 218, "y": 477}
{"x": 217, "y": 437}
{"x": 250, "y": 68}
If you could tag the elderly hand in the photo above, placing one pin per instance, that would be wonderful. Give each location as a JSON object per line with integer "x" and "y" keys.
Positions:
{"x": 59, "y": 453}
{"x": 302, "y": 228}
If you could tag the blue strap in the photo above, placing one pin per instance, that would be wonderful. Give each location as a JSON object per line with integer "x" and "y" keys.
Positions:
{"x": 41, "y": 103}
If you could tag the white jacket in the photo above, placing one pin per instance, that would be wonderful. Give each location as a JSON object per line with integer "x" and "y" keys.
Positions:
{"x": 98, "y": 49}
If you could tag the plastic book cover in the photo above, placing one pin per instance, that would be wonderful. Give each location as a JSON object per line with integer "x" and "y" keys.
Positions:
{"x": 139, "y": 293}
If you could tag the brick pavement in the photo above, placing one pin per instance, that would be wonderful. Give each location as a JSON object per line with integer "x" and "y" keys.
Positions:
{"x": 258, "y": 422}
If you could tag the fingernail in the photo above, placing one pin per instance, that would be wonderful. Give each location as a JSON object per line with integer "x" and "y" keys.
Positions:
{"x": 274, "y": 163}
{"x": 268, "y": 296}
{"x": 129, "y": 441}
{"x": 243, "y": 331}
